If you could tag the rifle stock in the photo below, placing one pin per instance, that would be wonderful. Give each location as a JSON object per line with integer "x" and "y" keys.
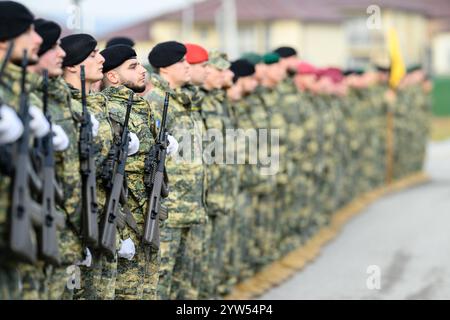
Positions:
{"x": 117, "y": 193}
{"x": 22, "y": 236}
{"x": 52, "y": 219}
{"x": 155, "y": 168}
{"x": 89, "y": 213}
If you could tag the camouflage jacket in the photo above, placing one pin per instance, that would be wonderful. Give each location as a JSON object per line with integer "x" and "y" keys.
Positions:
{"x": 10, "y": 95}
{"x": 97, "y": 106}
{"x": 272, "y": 100}
{"x": 215, "y": 118}
{"x": 186, "y": 170}
{"x": 142, "y": 124}
{"x": 67, "y": 166}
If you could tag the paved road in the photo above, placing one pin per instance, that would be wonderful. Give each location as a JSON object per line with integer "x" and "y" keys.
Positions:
{"x": 404, "y": 238}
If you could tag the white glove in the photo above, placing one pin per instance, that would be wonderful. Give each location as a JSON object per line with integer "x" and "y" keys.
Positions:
{"x": 87, "y": 261}
{"x": 60, "y": 139}
{"x": 11, "y": 128}
{"x": 133, "y": 146}
{"x": 38, "y": 124}
{"x": 127, "y": 249}
{"x": 95, "y": 126}
{"x": 172, "y": 148}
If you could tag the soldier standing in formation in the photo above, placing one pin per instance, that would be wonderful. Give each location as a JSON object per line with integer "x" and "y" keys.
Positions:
{"x": 221, "y": 222}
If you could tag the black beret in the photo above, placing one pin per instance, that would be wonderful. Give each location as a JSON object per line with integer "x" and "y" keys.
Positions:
{"x": 286, "y": 52}
{"x": 165, "y": 54}
{"x": 49, "y": 32}
{"x": 116, "y": 56}
{"x": 353, "y": 71}
{"x": 77, "y": 47}
{"x": 120, "y": 40}
{"x": 15, "y": 19}
{"x": 413, "y": 68}
{"x": 242, "y": 68}
{"x": 381, "y": 68}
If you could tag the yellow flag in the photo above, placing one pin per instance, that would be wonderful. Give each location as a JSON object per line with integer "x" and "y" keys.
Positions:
{"x": 398, "y": 68}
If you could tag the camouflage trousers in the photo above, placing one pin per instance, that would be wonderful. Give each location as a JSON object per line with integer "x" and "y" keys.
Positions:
{"x": 242, "y": 238}
{"x": 64, "y": 280}
{"x": 265, "y": 229}
{"x": 10, "y": 287}
{"x": 137, "y": 279}
{"x": 32, "y": 279}
{"x": 196, "y": 276}
{"x": 98, "y": 280}
{"x": 173, "y": 243}
{"x": 226, "y": 278}
{"x": 215, "y": 255}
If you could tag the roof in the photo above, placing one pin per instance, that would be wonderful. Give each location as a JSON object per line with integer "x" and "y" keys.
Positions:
{"x": 138, "y": 32}
{"x": 325, "y": 11}
{"x": 252, "y": 10}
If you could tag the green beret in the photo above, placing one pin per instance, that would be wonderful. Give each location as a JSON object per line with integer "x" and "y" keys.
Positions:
{"x": 271, "y": 58}
{"x": 253, "y": 58}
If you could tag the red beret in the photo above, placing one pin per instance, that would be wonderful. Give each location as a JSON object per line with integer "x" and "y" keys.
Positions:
{"x": 334, "y": 74}
{"x": 195, "y": 53}
{"x": 306, "y": 68}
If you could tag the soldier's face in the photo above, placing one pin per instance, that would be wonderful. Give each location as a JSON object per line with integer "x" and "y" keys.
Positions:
{"x": 215, "y": 77}
{"x": 260, "y": 71}
{"x": 227, "y": 78}
{"x": 249, "y": 84}
{"x": 94, "y": 66}
{"x": 180, "y": 72}
{"x": 52, "y": 61}
{"x": 303, "y": 80}
{"x": 289, "y": 63}
{"x": 234, "y": 93}
{"x": 198, "y": 73}
{"x": 274, "y": 72}
{"x": 29, "y": 41}
{"x": 132, "y": 75}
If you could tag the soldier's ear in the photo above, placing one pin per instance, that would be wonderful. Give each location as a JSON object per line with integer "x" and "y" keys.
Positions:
{"x": 112, "y": 77}
{"x": 4, "y": 45}
{"x": 72, "y": 69}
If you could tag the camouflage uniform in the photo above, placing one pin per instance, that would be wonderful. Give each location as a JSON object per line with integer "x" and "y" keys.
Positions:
{"x": 219, "y": 191}
{"x": 98, "y": 280}
{"x": 186, "y": 199}
{"x": 264, "y": 221}
{"x": 19, "y": 280}
{"x": 66, "y": 113}
{"x": 306, "y": 162}
{"x": 272, "y": 100}
{"x": 194, "y": 260}
{"x": 242, "y": 226}
{"x": 227, "y": 277}
{"x": 138, "y": 278}
{"x": 295, "y": 116}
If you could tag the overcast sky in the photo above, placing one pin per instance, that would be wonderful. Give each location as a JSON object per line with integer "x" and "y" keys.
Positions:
{"x": 101, "y": 16}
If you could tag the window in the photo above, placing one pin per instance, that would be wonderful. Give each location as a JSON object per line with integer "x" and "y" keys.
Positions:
{"x": 357, "y": 33}
{"x": 247, "y": 38}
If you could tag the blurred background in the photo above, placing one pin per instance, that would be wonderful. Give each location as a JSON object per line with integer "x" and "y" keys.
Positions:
{"x": 338, "y": 33}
